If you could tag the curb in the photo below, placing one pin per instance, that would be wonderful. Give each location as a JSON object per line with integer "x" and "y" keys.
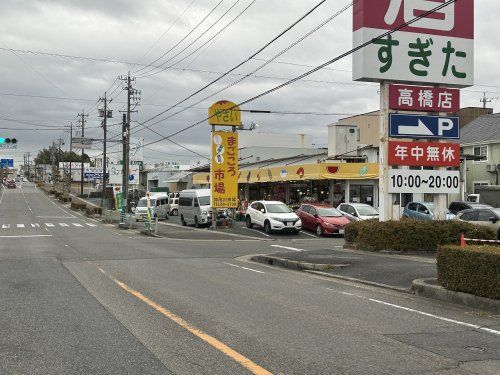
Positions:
{"x": 149, "y": 234}
{"x": 430, "y": 289}
{"x": 364, "y": 282}
{"x": 293, "y": 264}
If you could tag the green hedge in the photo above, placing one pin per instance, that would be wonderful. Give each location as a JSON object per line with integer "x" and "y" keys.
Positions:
{"x": 470, "y": 269}
{"x": 411, "y": 235}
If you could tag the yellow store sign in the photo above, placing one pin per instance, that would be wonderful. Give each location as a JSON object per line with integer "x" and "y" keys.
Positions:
{"x": 224, "y": 169}
{"x": 224, "y": 113}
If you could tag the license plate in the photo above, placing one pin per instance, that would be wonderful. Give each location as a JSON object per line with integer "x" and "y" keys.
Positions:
{"x": 341, "y": 231}
{"x": 289, "y": 224}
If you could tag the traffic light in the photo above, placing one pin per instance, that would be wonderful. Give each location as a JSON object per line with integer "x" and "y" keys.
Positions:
{"x": 8, "y": 140}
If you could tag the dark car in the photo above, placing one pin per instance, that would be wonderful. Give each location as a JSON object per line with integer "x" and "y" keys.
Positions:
{"x": 11, "y": 184}
{"x": 456, "y": 207}
{"x": 322, "y": 219}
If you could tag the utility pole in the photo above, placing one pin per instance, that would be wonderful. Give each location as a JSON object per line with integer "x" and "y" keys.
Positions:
{"x": 70, "y": 156}
{"x": 28, "y": 156}
{"x": 132, "y": 95}
{"x": 82, "y": 123}
{"x": 105, "y": 115}
{"x": 485, "y": 100}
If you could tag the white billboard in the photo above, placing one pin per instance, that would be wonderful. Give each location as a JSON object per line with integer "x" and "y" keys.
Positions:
{"x": 115, "y": 174}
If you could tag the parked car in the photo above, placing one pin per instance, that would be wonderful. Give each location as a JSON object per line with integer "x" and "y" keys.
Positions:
{"x": 173, "y": 206}
{"x": 11, "y": 184}
{"x": 272, "y": 216}
{"x": 323, "y": 219}
{"x": 488, "y": 217}
{"x": 358, "y": 211}
{"x": 194, "y": 207}
{"x": 158, "y": 202}
{"x": 456, "y": 207}
{"x": 422, "y": 211}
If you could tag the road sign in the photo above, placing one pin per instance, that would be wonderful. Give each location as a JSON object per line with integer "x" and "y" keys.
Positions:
{"x": 224, "y": 113}
{"x": 411, "y": 181}
{"x": 6, "y": 163}
{"x": 436, "y": 49}
{"x": 417, "y": 126}
{"x": 82, "y": 143}
{"x": 424, "y": 154}
{"x": 426, "y": 99}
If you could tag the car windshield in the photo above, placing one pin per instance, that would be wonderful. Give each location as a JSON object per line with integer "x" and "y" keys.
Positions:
{"x": 367, "y": 211}
{"x": 204, "y": 201}
{"x": 144, "y": 203}
{"x": 329, "y": 212}
{"x": 278, "y": 208}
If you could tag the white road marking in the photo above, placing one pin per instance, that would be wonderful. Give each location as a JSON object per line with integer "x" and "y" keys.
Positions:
{"x": 5, "y": 226}
{"x": 77, "y": 225}
{"x": 55, "y": 217}
{"x": 1, "y": 198}
{"x": 35, "y": 225}
{"x": 32, "y": 236}
{"x": 243, "y": 268}
{"x": 91, "y": 225}
{"x": 49, "y": 225}
{"x": 20, "y": 225}
{"x": 64, "y": 225}
{"x": 67, "y": 213}
{"x": 308, "y": 234}
{"x": 287, "y": 248}
{"x": 258, "y": 231}
{"x": 419, "y": 312}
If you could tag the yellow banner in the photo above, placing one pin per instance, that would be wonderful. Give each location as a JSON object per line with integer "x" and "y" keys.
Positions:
{"x": 224, "y": 169}
{"x": 322, "y": 171}
{"x": 224, "y": 113}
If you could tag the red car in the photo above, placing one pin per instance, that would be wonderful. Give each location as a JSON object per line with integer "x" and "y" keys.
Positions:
{"x": 322, "y": 219}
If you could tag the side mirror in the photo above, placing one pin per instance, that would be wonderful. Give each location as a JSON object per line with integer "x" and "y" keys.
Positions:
{"x": 493, "y": 219}
{"x": 316, "y": 216}
{"x": 263, "y": 210}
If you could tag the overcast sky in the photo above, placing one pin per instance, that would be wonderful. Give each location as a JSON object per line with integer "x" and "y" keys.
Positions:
{"x": 40, "y": 91}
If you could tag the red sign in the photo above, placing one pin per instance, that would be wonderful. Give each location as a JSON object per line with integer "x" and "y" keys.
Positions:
{"x": 455, "y": 20}
{"x": 425, "y": 99}
{"x": 424, "y": 154}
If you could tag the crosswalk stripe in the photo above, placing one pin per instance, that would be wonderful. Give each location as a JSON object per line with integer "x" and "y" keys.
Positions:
{"x": 64, "y": 225}
{"x": 49, "y": 225}
{"x": 35, "y": 225}
{"x": 5, "y": 226}
{"x": 77, "y": 225}
{"x": 91, "y": 225}
{"x": 20, "y": 225}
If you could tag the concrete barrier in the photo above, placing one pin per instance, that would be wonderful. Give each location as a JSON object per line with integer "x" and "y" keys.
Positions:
{"x": 82, "y": 204}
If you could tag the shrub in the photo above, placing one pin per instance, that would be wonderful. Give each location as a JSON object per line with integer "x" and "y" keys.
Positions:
{"x": 411, "y": 235}
{"x": 470, "y": 269}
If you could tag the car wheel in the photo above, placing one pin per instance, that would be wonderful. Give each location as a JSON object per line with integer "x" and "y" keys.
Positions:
{"x": 196, "y": 223}
{"x": 249, "y": 222}
{"x": 267, "y": 227}
{"x": 498, "y": 234}
{"x": 175, "y": 212}
{"x": 296, "y": 232}
{"x": 183, "y": 222}
{"x": 319, "y": 230}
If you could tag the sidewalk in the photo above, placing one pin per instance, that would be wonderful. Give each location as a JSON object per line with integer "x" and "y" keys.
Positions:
{"x": 386, "y": 270}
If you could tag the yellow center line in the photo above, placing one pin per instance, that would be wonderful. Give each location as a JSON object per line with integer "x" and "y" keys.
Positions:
{"x": 231, "y": 353}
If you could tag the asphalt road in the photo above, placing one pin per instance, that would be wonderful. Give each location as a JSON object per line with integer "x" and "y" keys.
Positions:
{"x": 78, "y": 296}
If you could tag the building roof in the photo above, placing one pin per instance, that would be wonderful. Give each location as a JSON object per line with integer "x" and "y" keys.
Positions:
{"x": 484, "y": 129}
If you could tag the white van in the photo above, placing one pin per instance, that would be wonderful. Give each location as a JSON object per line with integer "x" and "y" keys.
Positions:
{"x": 194, "y": 207}
{"x": 159, "y": 204}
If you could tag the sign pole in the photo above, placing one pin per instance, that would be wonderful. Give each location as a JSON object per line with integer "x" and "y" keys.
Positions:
{"x": 214, "y": 210}
{"x": 385, "y": 202}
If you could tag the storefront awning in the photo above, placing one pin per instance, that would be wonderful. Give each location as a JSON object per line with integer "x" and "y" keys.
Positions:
{"x": 319, "y": 171}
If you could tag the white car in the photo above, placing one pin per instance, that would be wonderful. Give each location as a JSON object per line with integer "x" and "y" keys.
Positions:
{"x": 358, "y": 211}
{"x": 273, "y": 216}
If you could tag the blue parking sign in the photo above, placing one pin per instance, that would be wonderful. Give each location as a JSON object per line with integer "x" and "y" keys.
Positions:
{"x": 418, "y": 126}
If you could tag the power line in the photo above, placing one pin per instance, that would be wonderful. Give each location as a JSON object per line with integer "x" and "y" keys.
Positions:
{"x": 240, "y": 64}
{"x": 162, "y": 68}
{"x": 182, "y": 39}
{"x": 301, "y": 39}
{"x": 166, "y": 32}
{"x": 317, "y": 68}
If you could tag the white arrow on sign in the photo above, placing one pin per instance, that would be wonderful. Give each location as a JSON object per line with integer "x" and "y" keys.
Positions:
{"x": 421, "y": 129}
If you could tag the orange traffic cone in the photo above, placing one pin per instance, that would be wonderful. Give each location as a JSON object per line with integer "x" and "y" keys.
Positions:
{"x": 462, "y": 240}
